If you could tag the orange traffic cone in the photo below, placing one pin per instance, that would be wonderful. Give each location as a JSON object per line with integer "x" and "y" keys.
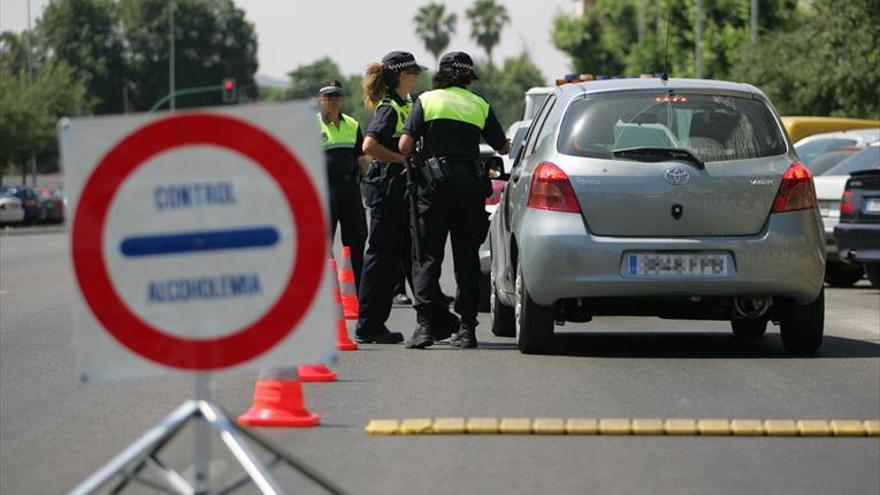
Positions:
{"x": 315, "y": 373}
{"x": 343, "y": 342}
{"x": 278, "y": 403}
{"x": 346, "y": 284}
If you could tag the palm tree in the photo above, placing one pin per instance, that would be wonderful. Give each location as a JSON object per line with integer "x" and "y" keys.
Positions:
{"x": 434, "y": 27}
{"x": 487, "y": 20}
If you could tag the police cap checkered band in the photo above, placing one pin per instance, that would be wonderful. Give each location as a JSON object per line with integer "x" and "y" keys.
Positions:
{"x": 457, "y": 61}
{"x": 400, "y": 61}
{"x": 333, "y": 87}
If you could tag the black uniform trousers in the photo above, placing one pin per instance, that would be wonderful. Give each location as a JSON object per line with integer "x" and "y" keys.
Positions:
{"x": 457, "y": 208}
{"x": 347, "y": 210}
{"x": 388, "y": 253}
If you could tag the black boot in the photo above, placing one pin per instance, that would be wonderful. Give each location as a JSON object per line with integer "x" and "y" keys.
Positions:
{"x": 421, "y": 338}
{"x": 466, "y": 338}
{"x": 444, "y": 325}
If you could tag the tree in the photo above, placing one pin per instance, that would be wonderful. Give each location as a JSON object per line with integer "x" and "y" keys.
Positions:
{"x": 306, "y": 80}
{"x": 487, "y": 20}
{"x": 213, "y": 40}
{"x": 85, "y": 35}
{"x": 435, "y": 28}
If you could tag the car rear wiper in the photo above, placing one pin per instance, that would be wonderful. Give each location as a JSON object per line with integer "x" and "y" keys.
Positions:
{"x": 658, "y": 154}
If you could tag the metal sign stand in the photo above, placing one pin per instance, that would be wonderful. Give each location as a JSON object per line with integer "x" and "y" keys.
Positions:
{"x": 144, "y": 452}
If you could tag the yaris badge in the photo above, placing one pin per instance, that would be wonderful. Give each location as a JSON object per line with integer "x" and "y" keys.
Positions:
{"x": 677, "y": 176}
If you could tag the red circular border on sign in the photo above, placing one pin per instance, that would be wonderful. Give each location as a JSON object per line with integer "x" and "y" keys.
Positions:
{"x": 90, "y": 220}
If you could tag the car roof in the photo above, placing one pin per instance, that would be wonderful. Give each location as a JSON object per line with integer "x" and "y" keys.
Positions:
{"x": 658, "y": 84}
{"x": 540, "y": 90}
{"x": 869, "y": 135}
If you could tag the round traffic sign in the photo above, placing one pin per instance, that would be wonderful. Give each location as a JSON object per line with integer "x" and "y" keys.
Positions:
{"x": 160, "y": 343}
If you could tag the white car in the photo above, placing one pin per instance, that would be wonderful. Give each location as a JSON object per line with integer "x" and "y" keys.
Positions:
{"x": 829, "y": 189}
{"x": 10, "y": 210}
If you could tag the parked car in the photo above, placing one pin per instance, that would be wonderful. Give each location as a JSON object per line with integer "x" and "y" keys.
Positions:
{"x": 858, "y": 233}
{"x": 833, "y": 147}
{"x": 30, "y": 202}
{"x": 11, "y": 211}
{"x": 800, "y": 127}
{"x": 52, "y": 203}
{"x": 719, "y": 223}
{"x": 839, "y": 271}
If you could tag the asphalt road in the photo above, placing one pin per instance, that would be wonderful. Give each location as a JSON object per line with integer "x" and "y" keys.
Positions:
{"x": 55, "y": 431}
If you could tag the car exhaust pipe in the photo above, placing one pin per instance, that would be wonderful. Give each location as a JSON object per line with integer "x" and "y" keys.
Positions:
{"x": 751, "y": 307}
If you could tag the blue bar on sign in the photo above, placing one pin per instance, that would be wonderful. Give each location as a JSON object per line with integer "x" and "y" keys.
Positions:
{"x": 193, "y": 242}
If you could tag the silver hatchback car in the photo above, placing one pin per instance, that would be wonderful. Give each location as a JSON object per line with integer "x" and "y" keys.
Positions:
{"x": 645, "y": 197}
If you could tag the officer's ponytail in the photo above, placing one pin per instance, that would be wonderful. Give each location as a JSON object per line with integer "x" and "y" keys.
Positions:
{"x": 377, "y": 83}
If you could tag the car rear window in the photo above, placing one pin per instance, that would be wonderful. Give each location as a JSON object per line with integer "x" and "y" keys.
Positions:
{"x": 868, "y": 158}
{"x": 811, "y": 150}
{"x": 711, "y": 127}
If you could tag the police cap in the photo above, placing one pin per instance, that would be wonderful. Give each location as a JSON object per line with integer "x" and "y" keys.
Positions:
{"x": 331, "y": 88}
{"x": 458, "y": 61}
{"x": 398, "y": 61}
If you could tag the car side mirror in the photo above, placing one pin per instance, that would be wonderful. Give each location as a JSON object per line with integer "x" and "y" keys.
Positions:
{"x": 494, "y": 167}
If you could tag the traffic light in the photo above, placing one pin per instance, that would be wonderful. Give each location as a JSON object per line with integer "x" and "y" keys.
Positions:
{"x": 230, "y": 90}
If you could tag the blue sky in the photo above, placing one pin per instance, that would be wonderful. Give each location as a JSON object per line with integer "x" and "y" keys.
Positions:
{"x": 355, "y": 33}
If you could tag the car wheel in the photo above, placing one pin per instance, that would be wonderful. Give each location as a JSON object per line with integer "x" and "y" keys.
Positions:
{"x": 842, "y": 275}
{"x": 749, "y": 329}
{"x": 802, "y": 326}
{"x": 503, "y": 317}
{"x": 483, "y": 305}
{"x": 872, "y": 270}
{"x": 534, "y": 323}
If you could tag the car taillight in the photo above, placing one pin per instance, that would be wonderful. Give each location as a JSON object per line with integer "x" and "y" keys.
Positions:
{"x": 551, "y": 190}
{"x": 847, "y": 209}
{"x": 796, "y": 191}
{"x": 497, "y": 189}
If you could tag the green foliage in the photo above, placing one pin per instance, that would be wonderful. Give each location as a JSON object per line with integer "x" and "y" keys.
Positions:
{"x": 306, "y": 80}
{"x": 505, "y": 89}
{"x": 487, "y": 19}
{"x": 29, "y": 113}
{"x": 84, "y": 34}
{"x": 435, "y": 28}
{"x": 213, "y": 40}
{"x": 829, "y": 64}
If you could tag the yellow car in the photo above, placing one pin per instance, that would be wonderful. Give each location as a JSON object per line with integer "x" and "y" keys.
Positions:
{"x": 801, "y": 127}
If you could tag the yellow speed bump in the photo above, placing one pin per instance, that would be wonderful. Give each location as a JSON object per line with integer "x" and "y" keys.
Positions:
{"x": 485, "y": 426}
{"x": 582, "y": 426}
{"x": 747, "y": 427}
{"x": 850, "y": 428}
{"x": 548, "y": 426}
{"x": 780, "y": 428}
{"x": 647, "y": 426}
{"x": 680, "y": 427}
{"x": 515, "y": 426}
{"x": 449, "y": 426}
{"x": 416, "y": 426}
{"x": 614, "y": 426}
{"x": 713, "y": 427}
{"x": 872, "y": 428}
{"x": 380, "y": 427}
{"x": 813, "y": 428}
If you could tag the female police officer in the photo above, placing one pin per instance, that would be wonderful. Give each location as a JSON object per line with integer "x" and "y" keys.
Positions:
{"x": 343, "y": 141}
{"x": 451, "y": 120}
{"x": 386, "y": 88}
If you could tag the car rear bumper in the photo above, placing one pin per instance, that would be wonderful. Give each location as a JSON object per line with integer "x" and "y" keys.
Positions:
{"x": 562, "y": 260}
{"x": 859, "y": 242}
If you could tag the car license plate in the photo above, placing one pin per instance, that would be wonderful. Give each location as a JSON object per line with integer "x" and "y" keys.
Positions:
{"x": 690, "y": 264}
{"x": 872, "y": 206}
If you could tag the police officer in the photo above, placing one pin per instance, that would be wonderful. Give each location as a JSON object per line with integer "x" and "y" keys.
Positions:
{"x": 387, "y": 86}
{"x": 346, "y": 162}
{"x": 451, "y": 120}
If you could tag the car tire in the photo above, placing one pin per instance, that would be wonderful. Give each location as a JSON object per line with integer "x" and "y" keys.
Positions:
{"x": 483, "y": 304}
{"x": 872, "y": 270}
{"x": 749, "y": 329}
{"x": 802, "y": 326}
{"x": 534, "y": 323}
{"x": 842, "y": 275}
{"x": 503, "y": 317}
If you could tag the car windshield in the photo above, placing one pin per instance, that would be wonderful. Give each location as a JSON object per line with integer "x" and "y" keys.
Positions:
{"x": 866, "y": 159}
{"x": 533, "y": 104}
{"x": 710, "y": 127}
{"x": 811, "y": 150}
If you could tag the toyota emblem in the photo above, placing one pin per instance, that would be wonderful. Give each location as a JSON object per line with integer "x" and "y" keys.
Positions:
{"x": 677, "y": 176}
